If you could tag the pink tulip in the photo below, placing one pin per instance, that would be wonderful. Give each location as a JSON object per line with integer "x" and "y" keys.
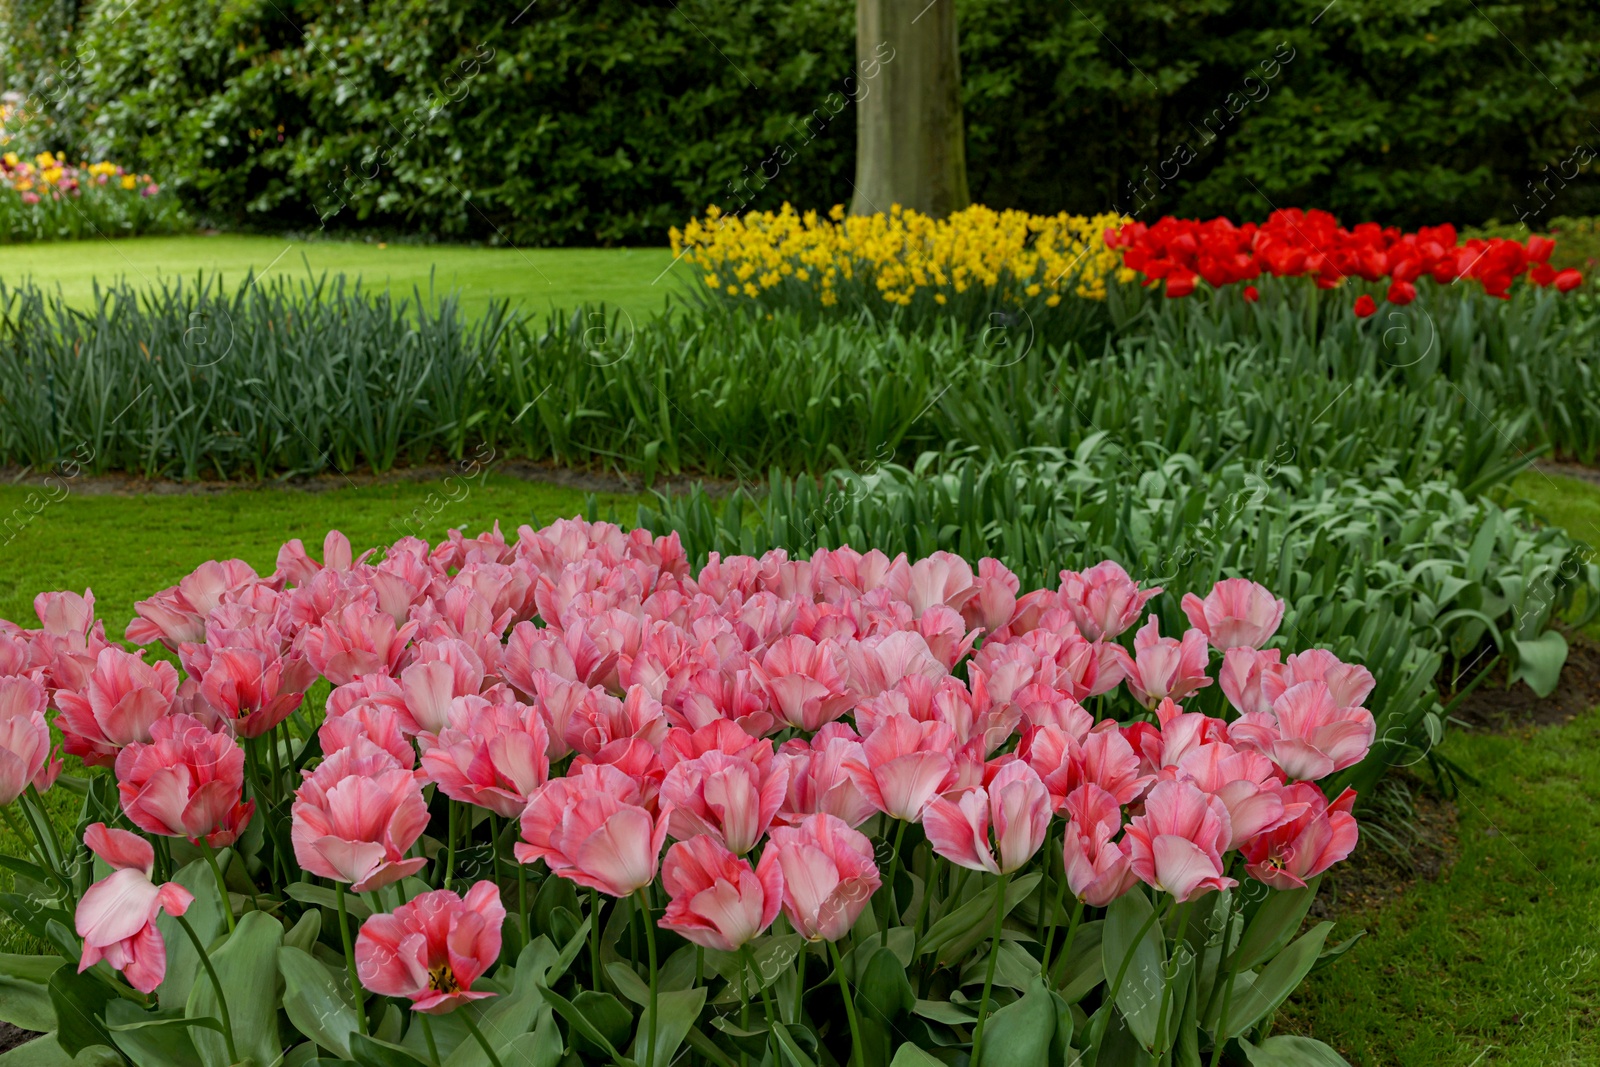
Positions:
{"x": 355, "y": 817}
{"x": 1017, "y": 803}
{"x": 123, "y": 697}
{"x": 176, "y": 615}
{"x": 828, "y": 875}
{"x": 879, "y": 663}
{"x": 1177, "y": 844}
{"x": 726, "y": 797}
{"x": 432, "y": 949}
{"x": 1098, "y": 870}
{"x": 442, "y": 671}
{"x": 903, "y": 763}
{"x": 186, "y": 782}
{"x": 1103, "y": 758}
{"x": 996, "y": 600}
{"x": 117, "y": 916}
{"x": 65, "y": 614}
{"x": 1246, "y": 782}
{"x": 805, "y": 681}
{"x": 25, "y": 756}
{"x": 1243, "y": 674}
{"x": 354, "y": 641}
{"x": 600, "y": 719}
{"x": 715, "y": 899}
{"x": 368, "y": 721}
{"x": 490, "y": 755}
{"x": 720, "y": 735}
{"x": 942, "y": 579}
{"x": 1165, "y": 667}
{"x": 255, "y": 689}
{"x": 819, "y": 781}
{"x": 1103, "y": 600}
{"x": 1348, "y": 683}
{"x": 590, "y": 828}
{"x": 1290, "y": 855}
{"x": 1237, "y": 613}
{"x": 1306, "y": 733}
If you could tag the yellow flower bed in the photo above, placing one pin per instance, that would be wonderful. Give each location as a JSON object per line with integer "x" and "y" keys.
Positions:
{"x": 1011, "y": 255}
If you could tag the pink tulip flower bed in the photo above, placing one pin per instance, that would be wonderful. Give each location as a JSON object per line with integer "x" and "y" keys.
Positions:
{"x": 567, "y": 801}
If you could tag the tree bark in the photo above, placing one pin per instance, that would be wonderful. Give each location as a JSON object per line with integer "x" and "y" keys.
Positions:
{"x": 910, "y": 147}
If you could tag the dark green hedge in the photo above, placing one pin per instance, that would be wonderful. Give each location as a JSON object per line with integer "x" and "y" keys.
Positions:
{"x": 605, "y": 121}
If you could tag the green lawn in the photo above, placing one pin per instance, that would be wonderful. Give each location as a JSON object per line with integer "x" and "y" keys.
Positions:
{"x": 537, "y": 278}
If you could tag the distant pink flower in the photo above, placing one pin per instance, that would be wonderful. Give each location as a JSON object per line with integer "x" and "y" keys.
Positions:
{"x": 1237, "y": 613}
{"x": 178, "y": 614}
{"x": 715, "y": 899}
{"x": 186, "y": 782}
{"x": 600, "y": 719}
{"x": 1098, "y": 870}
{"x": 1165, "y": 667}
{"x": 805, "y": 681}
{"x": 64, "y": 614}
{"x": 1307, "y": 733}
{"x": 25, "y": 756}
{"x": 727, "y": 797}
{"x": 117, "y": 916}
{"x": 1177, "y": 844}
{"x": 903, "y": 763}
{"x": 490, "y": 755}
{"x": 432, "y": 949}
{"x": 590, "y": 828}
{"x": 123, "y": 697}
{"x": 720, "y": 735}
{"x": 356, "y": 816}
{"x": 828, "y": 875}
{"x": 1015, "y": 802}
{"x": 1103, "y": 600}
{"x": 1323, "y": 834}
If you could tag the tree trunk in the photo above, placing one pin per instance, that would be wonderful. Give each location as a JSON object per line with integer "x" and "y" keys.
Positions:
{"x": 910, "y": 148}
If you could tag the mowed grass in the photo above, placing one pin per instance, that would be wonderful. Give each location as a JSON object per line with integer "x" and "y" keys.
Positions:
{"x": 535, "y": 279}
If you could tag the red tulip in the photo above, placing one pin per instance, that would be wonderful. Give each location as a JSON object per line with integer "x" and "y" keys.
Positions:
{"x": 1365, "y": 306}
{"x": 1401, "y": 292}
{"x": 432, "y": 949}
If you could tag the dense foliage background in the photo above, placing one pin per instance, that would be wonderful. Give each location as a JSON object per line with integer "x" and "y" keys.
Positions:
{"x": 605, "y": 121}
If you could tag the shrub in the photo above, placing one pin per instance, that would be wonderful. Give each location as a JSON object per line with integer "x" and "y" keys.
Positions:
{"x": 51, "y": 200}
{"x": 511, "y": 723}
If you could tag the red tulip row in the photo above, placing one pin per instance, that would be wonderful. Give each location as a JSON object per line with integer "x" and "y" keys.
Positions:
{"x": 1295, "y": 243}
{"x": 584, "y": 682}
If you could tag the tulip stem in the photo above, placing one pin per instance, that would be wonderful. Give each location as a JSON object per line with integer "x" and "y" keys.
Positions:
{"x": 594, "y": 937}
{"x": 427, "y": 1035}
{"x": 766, "y": 995}
{"x": 800, "y": 984}
{"x": 1116, "y": 986}
{"x": 216, "y": 872}
{"x": 522, "y": 901}
{"x": 1066, "y": 944}
{"x": 450, "y": 844}
{"x": 216, "y": 983}
{"x": 892, "y": 912}
{"x": 1050, "y": 934}
{"x": 482, "y": 1041}
{"x": 44, "y": 855}
{"x": 849, "y": 1005}
{"x": 1222, "y": 961}
{"x": 350, "y": 961}
{"x": 655, "y": 976}
{"x": 988, "y": 977}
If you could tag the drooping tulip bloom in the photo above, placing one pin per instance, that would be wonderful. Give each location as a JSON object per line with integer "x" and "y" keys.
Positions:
{"x": 355, "y": 817}
{"x": 1015, "y": 802}
{"x": 1103, "y": 600}
{"x": 1307, "y": 733}
{"x": 590, "y": 828}
{"x": 805, "y": 681}
{"x": 490, "y": 755}
{"x": 1292, "y": 854}
{"x": 1098, "y": 869}
{"x": 715, "y": 899}
{"x": 117, "y": 916}
{"x": 186, "y": 782}
{"x": 25, "y": 757}
{"x": 1177, "y": 844}
{"x": 1237, "y": 613}
{"x": 729, "y": 798}
{"x": 828, "y": 875}
{"x": 124, "y": 696}
{"x": 903, "y": 763}
{"x": 432, "y": 949}
{"x": 1165, "y": 668}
